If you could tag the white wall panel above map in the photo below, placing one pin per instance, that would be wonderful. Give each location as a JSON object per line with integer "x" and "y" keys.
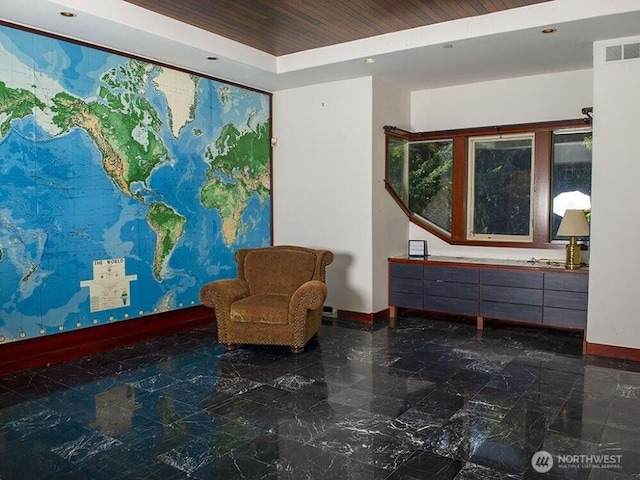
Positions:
{"x": 105, "y": 158}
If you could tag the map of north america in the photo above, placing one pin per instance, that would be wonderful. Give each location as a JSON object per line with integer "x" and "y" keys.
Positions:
{"x": 126, "y": 185}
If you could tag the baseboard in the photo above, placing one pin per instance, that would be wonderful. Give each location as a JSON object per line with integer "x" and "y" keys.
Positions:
{"x": 61, "y": 347}
{"x": 359, "y": 317}
{"x": 612, "y": 351}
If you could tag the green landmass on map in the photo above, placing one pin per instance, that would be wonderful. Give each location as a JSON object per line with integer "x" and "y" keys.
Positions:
{"x": 124, "y": 125}
{"x": 240, "y": 168}
{"x": 169, "y": 227}
{"x": 32, "y": 268}
{"x": 15, "y": 103}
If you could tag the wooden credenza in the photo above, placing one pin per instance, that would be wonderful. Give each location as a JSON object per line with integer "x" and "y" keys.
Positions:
{"x": 491, "y": 289}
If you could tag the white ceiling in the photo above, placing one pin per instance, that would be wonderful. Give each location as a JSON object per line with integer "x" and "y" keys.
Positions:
{"x": 488, "y": 47}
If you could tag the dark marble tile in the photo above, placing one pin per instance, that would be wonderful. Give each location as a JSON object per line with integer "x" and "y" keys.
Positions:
{"x": 88, "y": 446}
{"x": 32, "y": 385}
{"x": 623, "y": 439}
{"x": 534, "y": 412}
{"x": 189, "y": 457}
{"x": 298, "y": 461}
{"x": 9, "y": 398}
{"x": 234, "y": 465}
{"x": 363, "y": 436}
{"x": 32, "y": 463}
{"x": 609, "y": 474}
{"x": 626, "y": 462}
{"x": 460, "y": 436}
{"x": 478, "y": 377}
{"x": 308, "y": 425}
{"x": 472, "y": 471}
{"x": 423, "y": 465}
{"x": 575, "y": 428}
{"x": 623, "y": 414}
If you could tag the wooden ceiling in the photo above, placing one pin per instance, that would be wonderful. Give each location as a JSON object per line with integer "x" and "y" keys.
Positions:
{"x": 281, "y": 27}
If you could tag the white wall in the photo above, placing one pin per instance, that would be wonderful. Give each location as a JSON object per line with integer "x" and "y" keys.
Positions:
{"x": 538, "y": 98}
{"x": 559, "y": 96}
{"x": 322, "y": 180}
{"x": 615, "y": 222}
{"x": 391, "y": 106}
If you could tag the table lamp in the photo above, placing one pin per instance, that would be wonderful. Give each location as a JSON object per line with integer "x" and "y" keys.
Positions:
{"x": 573, "y": 225}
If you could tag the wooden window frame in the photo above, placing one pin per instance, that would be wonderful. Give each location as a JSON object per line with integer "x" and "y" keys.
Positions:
{"x": 543, "y": 132}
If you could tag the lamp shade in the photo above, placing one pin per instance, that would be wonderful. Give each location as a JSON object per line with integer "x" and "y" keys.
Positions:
{"x": 574, "y": 224}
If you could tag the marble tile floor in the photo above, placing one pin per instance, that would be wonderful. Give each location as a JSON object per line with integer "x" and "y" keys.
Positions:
{"x": 428, "y": 399}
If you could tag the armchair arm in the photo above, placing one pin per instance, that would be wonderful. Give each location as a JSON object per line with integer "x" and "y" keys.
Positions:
{"x": 309, "y": 296}
{"x": 220, "y": 294}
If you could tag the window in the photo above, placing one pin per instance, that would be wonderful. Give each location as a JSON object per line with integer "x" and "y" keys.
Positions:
{"x": 496, "y": 186}
{"x": 430, "y": 174}
{"x": 500, "y": 186}
{"x": 397, "y": 168}
{"x": 571, "y": 174}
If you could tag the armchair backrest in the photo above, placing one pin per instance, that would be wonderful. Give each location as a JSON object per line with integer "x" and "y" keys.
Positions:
{"x": 281, "y": 269}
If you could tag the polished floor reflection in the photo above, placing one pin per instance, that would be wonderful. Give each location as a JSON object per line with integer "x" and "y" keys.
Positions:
{"x": 429, "y": 399}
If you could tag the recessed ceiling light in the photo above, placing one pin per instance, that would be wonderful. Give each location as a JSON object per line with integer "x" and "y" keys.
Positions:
{"x": 67, "y": 14}
{"x": 212, "y": 58}
{"x": 369, "y": 60}
{"x": 549, "y": 30}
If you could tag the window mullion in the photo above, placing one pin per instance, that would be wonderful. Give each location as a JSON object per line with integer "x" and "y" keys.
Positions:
{"x": 542, "y": 186}
{"x": 458, "y": 214}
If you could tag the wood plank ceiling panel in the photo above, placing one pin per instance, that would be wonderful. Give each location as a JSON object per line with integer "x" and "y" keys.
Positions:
{"x": 281, "y": 27}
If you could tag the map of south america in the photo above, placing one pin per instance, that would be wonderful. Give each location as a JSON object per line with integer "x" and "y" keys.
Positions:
{"x": 107, "y": 157}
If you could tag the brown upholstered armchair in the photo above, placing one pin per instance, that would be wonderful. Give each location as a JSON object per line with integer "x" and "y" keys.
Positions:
{"x": 276, "y": 299}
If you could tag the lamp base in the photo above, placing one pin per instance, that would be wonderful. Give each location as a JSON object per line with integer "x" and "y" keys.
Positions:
{"x": 574, "y": 256}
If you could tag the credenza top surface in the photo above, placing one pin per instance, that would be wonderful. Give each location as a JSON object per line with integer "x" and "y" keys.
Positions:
{"x": 533, "y": 264}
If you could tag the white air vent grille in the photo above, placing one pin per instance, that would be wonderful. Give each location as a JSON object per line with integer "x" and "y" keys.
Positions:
{"x": 629, "y": 51}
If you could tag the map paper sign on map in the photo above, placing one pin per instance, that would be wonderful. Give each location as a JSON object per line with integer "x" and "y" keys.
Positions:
{"x": 109, "y": 288}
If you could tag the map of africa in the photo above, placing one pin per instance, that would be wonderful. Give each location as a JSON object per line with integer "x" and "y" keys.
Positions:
{"x": 126, "y": 185}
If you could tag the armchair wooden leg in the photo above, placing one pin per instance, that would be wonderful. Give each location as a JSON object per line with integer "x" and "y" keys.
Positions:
{"x": 229, "y": 347}
{"x": 297, "y": 350}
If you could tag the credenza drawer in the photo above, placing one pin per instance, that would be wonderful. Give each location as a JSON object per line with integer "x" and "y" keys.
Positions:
{"x": 405, "y": 270}
{"x": 438, "y": 288}
{"x": 567, "y": 300}
{"x": 406, "y": 285}
{"x": 564, "y": 317}
{"x": 460, "y": 306}
{"x": 566, "y": 282}
{"x": 452, "y": 274}
{"x": 512, "y": 279}
{"x": 408, "y": 300}
{"x": 511, "y": 311}
{"x": 515, "y": 295}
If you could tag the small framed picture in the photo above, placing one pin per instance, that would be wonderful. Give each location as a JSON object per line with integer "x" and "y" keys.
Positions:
{"x": 417, "y": 248}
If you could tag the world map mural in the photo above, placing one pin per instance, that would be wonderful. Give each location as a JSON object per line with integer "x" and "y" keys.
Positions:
{"x": 126, "y": 185}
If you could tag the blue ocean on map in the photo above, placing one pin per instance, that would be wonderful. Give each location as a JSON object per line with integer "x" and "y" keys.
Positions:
{"x": 60, "y": 211}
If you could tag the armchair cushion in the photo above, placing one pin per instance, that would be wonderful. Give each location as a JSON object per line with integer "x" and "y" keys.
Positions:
{"x": 270, "y": 308}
